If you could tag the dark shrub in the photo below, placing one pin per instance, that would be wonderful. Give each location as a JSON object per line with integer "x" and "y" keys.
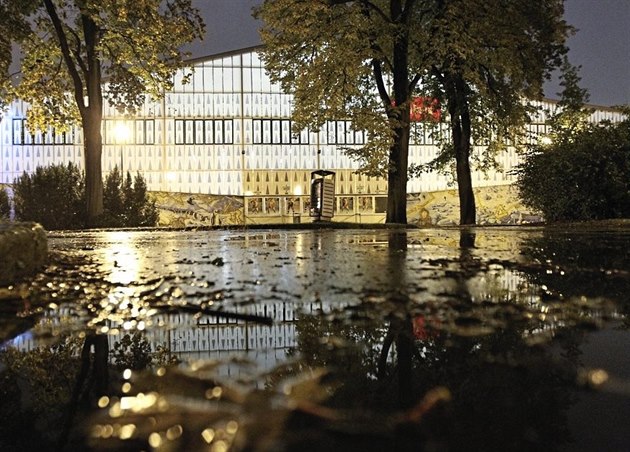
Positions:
{"x": 53, "y": 196}
{"x": 142, "y": 211}
{"x": 581, "y": 178}
{"x": 113, "y": 205}
{"x": 126, "y": 202}
{"x": 5, "y": 205}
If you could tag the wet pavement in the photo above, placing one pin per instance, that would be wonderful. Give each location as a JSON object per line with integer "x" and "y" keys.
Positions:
{"x": 331, "y": 339}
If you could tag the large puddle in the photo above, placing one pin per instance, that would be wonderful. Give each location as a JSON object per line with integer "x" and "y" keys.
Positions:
{"x": 431, "y": 339}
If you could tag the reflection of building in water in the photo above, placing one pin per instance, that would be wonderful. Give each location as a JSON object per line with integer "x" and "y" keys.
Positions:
{"x": 206, "y": 337}
{"x": 212, "y": 337}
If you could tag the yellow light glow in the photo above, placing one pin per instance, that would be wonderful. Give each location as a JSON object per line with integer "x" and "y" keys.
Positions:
{"x": 208, "y": 435}
{"x": 170, "y": 176}
{"x": 598, "y": 377}
{"x": 297, "y": 190}
{"x": 231, "y": 428}
{"x": 155, "y": 440}
{"x": 103, "y": 402}
{"x": 122, "y": 133}
{"x": 124, "y": 259}
{"x": 174, "y": 432}
{"x": 127, "y": 431}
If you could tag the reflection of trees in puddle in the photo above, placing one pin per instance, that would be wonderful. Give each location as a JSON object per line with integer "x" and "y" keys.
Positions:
{"x": 503, "y": 391}
{"x": 46, "y": 391}
{"x": 451, "y": 351}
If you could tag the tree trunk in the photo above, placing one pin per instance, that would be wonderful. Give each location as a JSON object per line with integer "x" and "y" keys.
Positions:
{"x": 397, "y": 179}
{"x": 467, "y": 208}
{"x": 461, "y": 133}
{"x": 93, "y": 145}
{"x": 399, "y": 116}
{"x": 404, "y": 349}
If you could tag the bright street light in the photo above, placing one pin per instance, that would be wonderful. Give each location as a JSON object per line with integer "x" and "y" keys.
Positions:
{"x": 122, "y": 133}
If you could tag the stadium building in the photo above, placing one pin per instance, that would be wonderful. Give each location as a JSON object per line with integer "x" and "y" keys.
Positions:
{"x": 220, "y": 150}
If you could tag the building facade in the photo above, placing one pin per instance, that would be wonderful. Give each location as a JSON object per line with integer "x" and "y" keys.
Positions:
{"x": 220, "y": 150}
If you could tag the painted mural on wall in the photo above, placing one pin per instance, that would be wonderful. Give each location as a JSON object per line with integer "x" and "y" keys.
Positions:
{"x": 495, "y": 205}
{"x": 183, "y": 209}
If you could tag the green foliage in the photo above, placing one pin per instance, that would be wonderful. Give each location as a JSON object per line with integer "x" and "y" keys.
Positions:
{"x": 366, "y": 60}
{"x": 5, "y": 206}
{"x": 582, "y": 177}
{"x": 13, "y": 26}
{"x": 489, "y": 60}
{"x": 70, "y": 47}
{"x": 52, "y": 196}
{"x": 332, "y": 56}
{"x": 136, "y": 47}
{"x": 134, "y": 352}
{"x": 113, "y": 205}
{"x": 126, "y": 203}
{"x": 571, "y": 116}
{"x": 45, "y": 377}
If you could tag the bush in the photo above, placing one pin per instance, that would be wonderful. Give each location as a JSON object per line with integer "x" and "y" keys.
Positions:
{"x": 126, "y": 203}
{"x": 5, "y": 205}
{"x": 53, "y": 196}
{"x": 134, "y": 352}
{"x": 581, "y": 178}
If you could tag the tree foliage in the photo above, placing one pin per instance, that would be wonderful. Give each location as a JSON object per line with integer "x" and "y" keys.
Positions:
{"x": 5, "y": 205}
{"x": 571, "y": 115}
{"x": 44, "y": 377}
{"x": 489, "y": 59}
{"x": 366, "y": 60}
{"x": 52, "y": 196}
{"x": 126, "y": 202}
{"x": 134, "y": 352}
{"x": 580, "y": 171}
{"x": 13, "y": 27}
{"x": 584, "y": 176}
{"x": 74, "y": 46}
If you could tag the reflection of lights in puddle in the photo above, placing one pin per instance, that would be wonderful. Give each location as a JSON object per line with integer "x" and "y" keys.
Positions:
{"x": 125, "y": 309}
{"x": 123, "y": 258}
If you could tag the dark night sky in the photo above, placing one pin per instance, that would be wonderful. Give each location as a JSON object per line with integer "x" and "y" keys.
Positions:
{"x": 601, "y": 45}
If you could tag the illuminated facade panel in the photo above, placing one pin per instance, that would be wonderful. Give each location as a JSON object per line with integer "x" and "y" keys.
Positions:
{"x": 228, "y": 132}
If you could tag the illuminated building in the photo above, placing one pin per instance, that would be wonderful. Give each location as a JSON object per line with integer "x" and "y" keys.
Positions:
{"x": 220, "y": 149}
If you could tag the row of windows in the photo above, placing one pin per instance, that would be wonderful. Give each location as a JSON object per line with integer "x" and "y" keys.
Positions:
{"x": 196, "y": 131}
{"x": 204, "y": 131}
{"x": 135, "y": 131}
{"x": 341, "y": 132}
{"x": 221, "y": 131}
{"x": 21, "y": 135}
{"x": 277, "y": 131}
{"x": 280, "y": 131}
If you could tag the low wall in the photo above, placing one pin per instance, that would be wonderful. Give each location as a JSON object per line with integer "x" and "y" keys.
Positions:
{"x": 495, "y": 205}
{"x": 499, "y": 204}
{"x": 185, "y": 209}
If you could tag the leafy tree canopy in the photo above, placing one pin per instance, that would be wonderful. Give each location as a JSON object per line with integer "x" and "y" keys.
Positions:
{"x": 13, "y": 27}
{"x": 366, "y": 60}
{"x": 71, "y": 47}
{"x": 491, "y": 58}
{"x": 131, "y": 44}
